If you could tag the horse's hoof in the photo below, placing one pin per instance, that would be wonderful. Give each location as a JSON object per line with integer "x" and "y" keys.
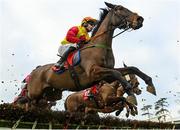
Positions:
{"x": 133, "y": 113}
{"x": 136, "y": 112}
{"x": 132, "y": 99}
{"x": 117, "y": 113}
{"x": 127, "y": 115}
{"x": 151, "y": 89}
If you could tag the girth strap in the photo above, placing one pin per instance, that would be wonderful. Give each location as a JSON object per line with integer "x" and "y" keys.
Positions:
{"x": 73, "y": 73}
{"x": 74, "y": 76}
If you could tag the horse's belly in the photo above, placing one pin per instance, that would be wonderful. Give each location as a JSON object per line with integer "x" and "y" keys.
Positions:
{"x": 66, "y": 82}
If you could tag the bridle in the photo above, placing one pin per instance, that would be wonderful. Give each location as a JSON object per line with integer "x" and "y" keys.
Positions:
{"x": 125, "y": 22}
{"x": 114, "y": 27}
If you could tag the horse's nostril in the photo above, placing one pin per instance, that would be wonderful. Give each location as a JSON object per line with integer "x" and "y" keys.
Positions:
{"x": 139, "y": 92}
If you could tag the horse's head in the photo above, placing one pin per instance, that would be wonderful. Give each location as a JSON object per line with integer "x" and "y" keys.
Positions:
{"x": 123, "y": 18}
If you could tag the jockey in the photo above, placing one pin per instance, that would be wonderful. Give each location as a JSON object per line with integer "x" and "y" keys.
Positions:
{"x": 75, "y": 38}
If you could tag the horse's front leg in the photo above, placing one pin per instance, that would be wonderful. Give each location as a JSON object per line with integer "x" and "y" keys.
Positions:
{"x": 112, "y": 100}
{"x": 121, "y": 108}
{"x": 124, "y": 105}
{"x": 133, "y": 108}
{"x": 121, "y": 105}
{"x": 145, "y": 77}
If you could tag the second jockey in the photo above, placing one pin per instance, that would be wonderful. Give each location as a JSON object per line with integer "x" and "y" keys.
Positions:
{"x": 75, "y": 37}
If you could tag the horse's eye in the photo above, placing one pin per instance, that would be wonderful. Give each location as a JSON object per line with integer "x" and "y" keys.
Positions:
{"x": 137, "y": 83}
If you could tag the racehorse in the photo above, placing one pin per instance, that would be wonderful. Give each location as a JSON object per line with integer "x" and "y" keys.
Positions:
{"x": 97, "y": 59}
{"x": 105, "y": 100}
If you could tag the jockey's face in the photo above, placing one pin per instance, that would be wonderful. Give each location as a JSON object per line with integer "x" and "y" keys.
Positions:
{"x": 89, "y": 27}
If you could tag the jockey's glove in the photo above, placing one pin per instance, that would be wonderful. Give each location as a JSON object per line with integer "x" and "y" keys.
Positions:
{"x": 80, "y": 44}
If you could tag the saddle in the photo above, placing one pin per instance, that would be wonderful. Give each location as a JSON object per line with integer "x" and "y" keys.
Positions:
{"x": 92, "y": 94}
{"x": 89, "y": 94}
{"x": 73, "y": 59}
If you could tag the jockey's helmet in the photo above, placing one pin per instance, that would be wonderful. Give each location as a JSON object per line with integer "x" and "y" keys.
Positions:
{"x": 89, "y": 20}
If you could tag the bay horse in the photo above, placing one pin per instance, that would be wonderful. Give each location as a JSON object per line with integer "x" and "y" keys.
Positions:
{"x": 108, "y": 98}
{"x": 97, "y": 59}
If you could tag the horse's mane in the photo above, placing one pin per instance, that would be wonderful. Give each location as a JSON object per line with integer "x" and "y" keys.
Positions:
{"x": 102, "y": 17}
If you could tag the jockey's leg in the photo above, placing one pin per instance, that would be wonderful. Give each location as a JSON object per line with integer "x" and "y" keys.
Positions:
{"x": 60, "y": 63}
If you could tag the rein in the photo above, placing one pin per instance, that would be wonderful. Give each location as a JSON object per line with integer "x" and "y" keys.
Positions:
{"x": 94, "y": 37}
{"x": 103, "y": 45}
{"x": 124, "y": 18}
{"x": 98, "y": 45}
{"x": 121, "y": 32}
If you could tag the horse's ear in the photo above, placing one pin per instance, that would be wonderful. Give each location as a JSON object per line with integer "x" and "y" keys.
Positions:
{"x": 109, "y": 5}
{"x": 124, "y": 64}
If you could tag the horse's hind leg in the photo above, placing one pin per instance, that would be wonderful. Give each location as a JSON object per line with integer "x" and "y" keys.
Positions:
{"x": 135, "y": 70}
{"x": 101, "y": 73}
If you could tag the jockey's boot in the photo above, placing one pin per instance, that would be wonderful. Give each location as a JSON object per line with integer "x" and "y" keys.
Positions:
{"x": 60, "y": 63}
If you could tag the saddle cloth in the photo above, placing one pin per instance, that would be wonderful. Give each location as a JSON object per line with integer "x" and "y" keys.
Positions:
{"x": 88, "y": 94}
{"x": 73, "y": 59}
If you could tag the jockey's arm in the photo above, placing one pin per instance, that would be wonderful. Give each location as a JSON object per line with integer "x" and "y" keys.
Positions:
{"x": 72, "y": 35}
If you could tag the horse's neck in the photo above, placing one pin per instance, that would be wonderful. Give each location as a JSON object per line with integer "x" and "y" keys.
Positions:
{"x": 104, "y": 33}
